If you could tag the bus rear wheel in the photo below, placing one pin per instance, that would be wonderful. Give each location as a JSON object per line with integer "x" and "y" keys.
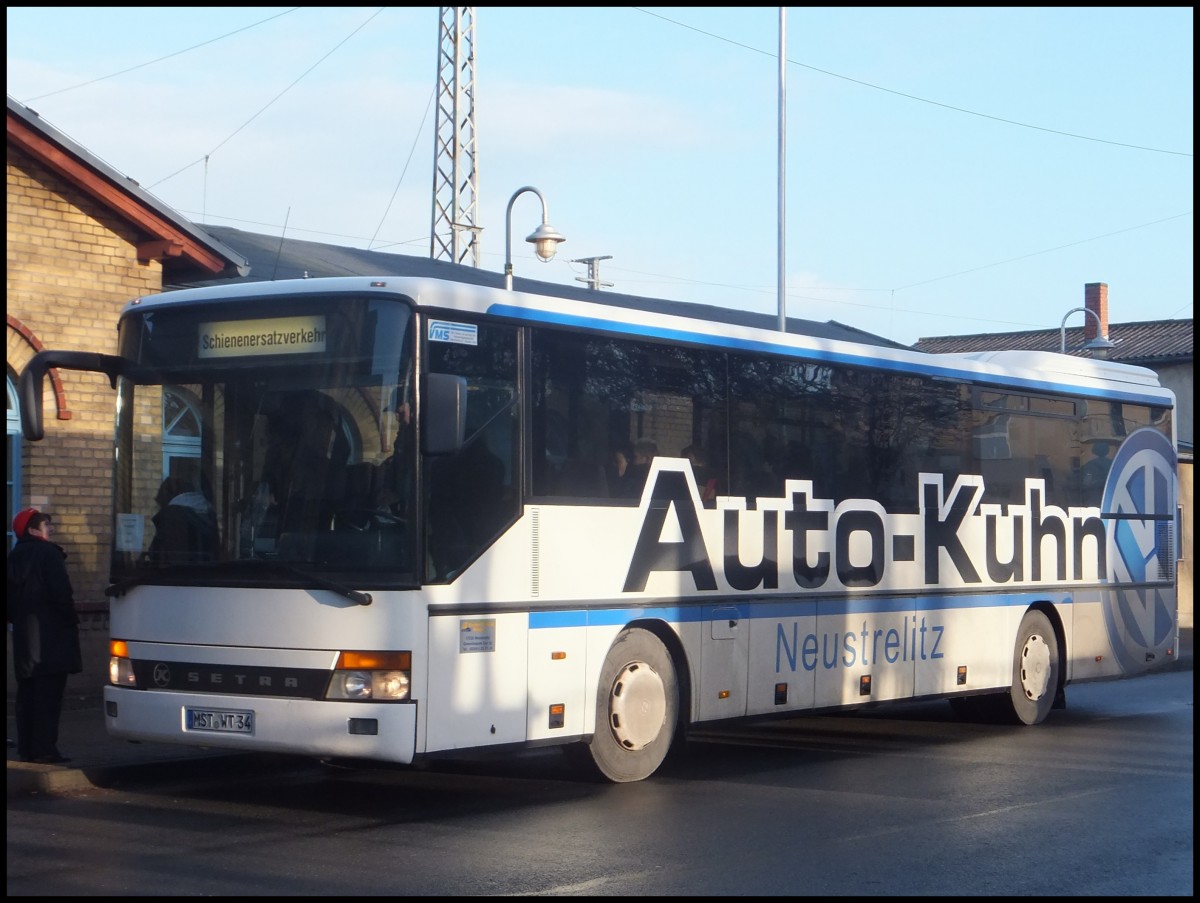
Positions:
{"x": 637, "y": 708}
{"x": 1036, "y": 669}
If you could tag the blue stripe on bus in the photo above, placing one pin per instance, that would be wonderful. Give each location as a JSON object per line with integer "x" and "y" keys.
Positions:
{"x": 613, "y": 616}
{"x": 796, "y": 608}
{"x": 818, "y": 355}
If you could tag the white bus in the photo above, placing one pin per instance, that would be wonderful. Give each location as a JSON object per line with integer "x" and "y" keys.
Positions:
{"x": 392, "y": 519}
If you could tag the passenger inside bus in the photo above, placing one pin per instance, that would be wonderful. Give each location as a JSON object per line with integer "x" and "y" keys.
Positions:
{"x": 706, "y": 477}
{"x": 621, "y": 457}
{"x": 630, "y": 484}
{"x": 185, "y": 527}
{"x": 305, "y": 452}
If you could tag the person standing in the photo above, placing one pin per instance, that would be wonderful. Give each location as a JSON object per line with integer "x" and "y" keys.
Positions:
{"x": 45, "y": 634}
{"x": 1094, "y": 473}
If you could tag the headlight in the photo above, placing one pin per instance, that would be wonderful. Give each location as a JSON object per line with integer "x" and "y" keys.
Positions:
{"x": 391, "y": 685}
{"x": 371, "y": 676}
{"x": 356, "y": 684}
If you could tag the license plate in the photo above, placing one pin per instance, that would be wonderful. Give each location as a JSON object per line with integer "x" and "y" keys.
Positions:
{"x": 223, "y": 721}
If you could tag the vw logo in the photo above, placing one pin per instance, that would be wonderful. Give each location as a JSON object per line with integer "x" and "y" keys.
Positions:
{"x": 1139, "y": 507}
{"x": 162, "y": 675}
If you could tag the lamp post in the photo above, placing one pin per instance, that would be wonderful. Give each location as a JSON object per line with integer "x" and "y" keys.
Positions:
{"x": 1099, "y": 346}
{"x": 544, "y": 238}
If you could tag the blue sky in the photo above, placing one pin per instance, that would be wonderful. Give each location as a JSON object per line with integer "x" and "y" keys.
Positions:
{"x": 947, "y": 171}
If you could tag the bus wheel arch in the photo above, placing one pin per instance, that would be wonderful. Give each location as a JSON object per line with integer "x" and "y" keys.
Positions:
{"x": 1038, "y": 658}
{"x": 683, "y": 674}
{"x": 639, "y": 705}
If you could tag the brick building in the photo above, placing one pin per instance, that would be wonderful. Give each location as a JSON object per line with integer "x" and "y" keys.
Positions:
{"x": 83, "y": 240}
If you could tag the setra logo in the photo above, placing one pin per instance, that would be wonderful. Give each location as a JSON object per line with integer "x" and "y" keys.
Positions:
{"x": 162, "y": 675}
{"x": 1139, "y": 502}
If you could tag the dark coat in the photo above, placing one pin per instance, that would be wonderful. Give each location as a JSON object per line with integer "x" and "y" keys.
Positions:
{"x": 182, "y": 536}
{"x": 41, "y": 609}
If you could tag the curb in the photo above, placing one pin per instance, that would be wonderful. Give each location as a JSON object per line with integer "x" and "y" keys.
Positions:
{"x": 31, "y": 779}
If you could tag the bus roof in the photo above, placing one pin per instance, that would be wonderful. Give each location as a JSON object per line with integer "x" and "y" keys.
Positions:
{"x": 1022, "y": 370}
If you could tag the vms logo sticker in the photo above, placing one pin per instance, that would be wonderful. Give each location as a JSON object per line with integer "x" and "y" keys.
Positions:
{"x": 1139, "y": 496}
{"x": 454, "y": 333}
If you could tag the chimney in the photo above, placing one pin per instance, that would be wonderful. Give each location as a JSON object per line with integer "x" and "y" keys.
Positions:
{"x": 1095, "y": 299}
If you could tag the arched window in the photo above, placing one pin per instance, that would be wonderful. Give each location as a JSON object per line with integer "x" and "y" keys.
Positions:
{"x": 14, "y": 455}
{"x": 180, "y": 432}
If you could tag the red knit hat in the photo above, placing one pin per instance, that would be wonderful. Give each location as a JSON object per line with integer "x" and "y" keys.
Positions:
{"x": 21, "y": 521}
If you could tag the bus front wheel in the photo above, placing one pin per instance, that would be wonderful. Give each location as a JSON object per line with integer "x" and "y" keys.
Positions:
{"x": 1035, "y": 669}
{"x": 637, "y": 708}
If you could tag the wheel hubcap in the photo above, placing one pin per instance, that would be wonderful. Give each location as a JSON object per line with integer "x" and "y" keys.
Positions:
{"x": 637, "y": 706}
{"x": 1035, "y": 667}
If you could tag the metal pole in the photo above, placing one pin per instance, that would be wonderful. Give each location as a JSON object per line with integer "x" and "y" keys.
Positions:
{"x": 1062, "y": 347}
{"x": 508, "y": 230}
{"x": 1062, "y": 332}
{"x": 782, "y": 254}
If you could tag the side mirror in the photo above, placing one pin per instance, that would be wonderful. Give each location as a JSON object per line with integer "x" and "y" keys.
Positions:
{"x": 34, "y": 375}
{"x": 443, "y": 414}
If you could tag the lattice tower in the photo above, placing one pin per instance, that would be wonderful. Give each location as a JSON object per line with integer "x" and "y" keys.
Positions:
{"x": 455, "y": 233}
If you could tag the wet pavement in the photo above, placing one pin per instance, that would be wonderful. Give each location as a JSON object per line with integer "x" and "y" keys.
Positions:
{"x": 98, "y": 760}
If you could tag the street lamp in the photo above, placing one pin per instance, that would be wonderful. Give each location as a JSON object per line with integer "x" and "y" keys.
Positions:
{"x": 544, "y": 239}
{"x": 1099, "y": 346}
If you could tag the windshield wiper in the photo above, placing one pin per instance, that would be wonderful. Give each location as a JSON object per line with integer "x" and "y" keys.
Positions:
{"x": 332, "y": 585}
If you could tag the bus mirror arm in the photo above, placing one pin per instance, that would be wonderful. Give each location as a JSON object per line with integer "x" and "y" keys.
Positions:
{"x": 34, "y": 375}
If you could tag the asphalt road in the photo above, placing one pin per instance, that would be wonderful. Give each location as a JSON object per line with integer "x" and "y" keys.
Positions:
{"x": 908, "y": 800}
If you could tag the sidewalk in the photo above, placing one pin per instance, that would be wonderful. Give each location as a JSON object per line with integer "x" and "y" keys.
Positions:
{"x": 98, "y": 760}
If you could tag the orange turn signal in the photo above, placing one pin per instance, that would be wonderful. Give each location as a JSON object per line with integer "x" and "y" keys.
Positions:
{"x": 374, "y": 661}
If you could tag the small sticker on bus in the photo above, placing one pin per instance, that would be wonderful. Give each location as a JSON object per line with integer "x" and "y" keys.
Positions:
{"x": 454, "y": 333}
{"x": 477, "y": 635}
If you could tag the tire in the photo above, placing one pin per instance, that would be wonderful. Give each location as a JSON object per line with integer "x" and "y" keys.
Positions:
{"x": 1036, "y": 669}
{"x": 637, "y": 709}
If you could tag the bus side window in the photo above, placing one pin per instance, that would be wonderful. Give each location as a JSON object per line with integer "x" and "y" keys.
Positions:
{"x": 580, "y": 479}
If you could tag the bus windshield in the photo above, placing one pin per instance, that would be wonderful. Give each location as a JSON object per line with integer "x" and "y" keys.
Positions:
{"x": 274, "y": 433}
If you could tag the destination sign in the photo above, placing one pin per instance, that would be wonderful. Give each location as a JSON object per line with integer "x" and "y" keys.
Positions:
{"x": 246, "y": 338}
